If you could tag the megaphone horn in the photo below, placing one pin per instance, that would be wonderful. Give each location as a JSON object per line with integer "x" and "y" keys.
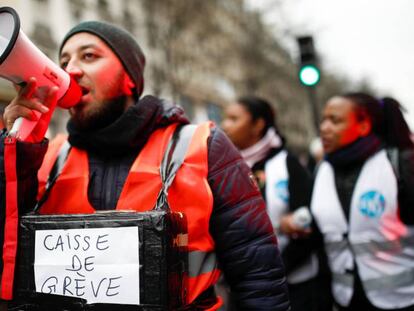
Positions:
{"x": 20, "y": 59}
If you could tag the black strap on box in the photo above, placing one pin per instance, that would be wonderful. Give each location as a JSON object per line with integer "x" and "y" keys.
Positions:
{"x": 171, "y": 162}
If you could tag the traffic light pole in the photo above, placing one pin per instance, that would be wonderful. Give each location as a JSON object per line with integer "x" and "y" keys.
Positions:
{"x": 314, "y": 106}
{"x": 309, "y": 74}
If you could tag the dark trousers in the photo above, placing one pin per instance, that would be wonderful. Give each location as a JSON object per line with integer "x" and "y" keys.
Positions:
{"x": 312, "y": 295}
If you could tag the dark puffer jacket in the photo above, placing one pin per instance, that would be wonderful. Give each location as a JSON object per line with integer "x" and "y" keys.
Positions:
{"x": 245, "y": 243}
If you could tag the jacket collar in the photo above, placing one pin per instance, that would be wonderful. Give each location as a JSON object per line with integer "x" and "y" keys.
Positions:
{"x": 130, "y": 132}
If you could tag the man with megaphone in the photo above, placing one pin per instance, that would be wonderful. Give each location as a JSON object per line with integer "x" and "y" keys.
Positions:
{"x": 111, "y": 159}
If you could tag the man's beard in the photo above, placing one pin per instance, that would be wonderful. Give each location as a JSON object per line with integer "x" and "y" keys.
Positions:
{"x": 107, "y": 114}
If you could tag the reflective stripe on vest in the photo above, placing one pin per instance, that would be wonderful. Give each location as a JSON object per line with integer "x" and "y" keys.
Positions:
{"x": 190, "y": 193}
{"x": 201, "y": 262}
{"x": 385, "y": 282}
{"x": 370, "y": 247}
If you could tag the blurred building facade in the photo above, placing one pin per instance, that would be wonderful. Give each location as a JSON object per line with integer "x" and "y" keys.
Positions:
{"x": 200, "y": 54}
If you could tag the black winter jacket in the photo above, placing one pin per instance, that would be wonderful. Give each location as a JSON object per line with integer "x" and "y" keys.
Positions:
{"x": 245, "y": 244}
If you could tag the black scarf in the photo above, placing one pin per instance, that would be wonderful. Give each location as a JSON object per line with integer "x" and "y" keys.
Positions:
{"x": 129, "y": 132}
{"x": 356, "y": 152}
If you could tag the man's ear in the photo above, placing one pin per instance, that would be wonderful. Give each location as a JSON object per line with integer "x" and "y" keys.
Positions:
{"x": 365, "y": 127}
{"x": 128, "y": 85}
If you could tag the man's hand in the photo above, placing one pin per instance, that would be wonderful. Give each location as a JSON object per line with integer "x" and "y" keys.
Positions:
{"x": 34, "y": 104}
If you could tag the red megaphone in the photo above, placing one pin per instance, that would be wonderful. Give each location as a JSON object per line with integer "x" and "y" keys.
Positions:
{"x": 20, "y": 59}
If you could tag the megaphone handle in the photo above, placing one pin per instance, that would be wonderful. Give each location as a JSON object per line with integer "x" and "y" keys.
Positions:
{"x": 23, "y": 127}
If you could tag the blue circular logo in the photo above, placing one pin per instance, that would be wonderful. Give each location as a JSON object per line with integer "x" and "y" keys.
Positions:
{"x": 282, "y": 191}
{"x": 372, "y": 204}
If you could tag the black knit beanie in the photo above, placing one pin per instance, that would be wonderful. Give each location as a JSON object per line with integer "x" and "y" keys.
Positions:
{"x": 121, "y": 42}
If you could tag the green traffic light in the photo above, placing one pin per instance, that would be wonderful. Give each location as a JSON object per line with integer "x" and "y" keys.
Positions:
{"x": 309, "y": 75}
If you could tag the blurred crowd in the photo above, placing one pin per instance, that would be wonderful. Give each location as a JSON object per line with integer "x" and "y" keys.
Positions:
{"x": 344, "y": 219}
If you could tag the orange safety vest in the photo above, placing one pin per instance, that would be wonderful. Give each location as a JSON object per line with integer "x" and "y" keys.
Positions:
{"x": 190, "y": 193}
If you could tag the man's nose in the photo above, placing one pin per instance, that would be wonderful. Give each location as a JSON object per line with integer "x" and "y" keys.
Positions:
{"x": 74, "y": 70}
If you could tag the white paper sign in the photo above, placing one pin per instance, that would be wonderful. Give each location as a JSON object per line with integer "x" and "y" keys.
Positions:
{"x": 100, "y": 265}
